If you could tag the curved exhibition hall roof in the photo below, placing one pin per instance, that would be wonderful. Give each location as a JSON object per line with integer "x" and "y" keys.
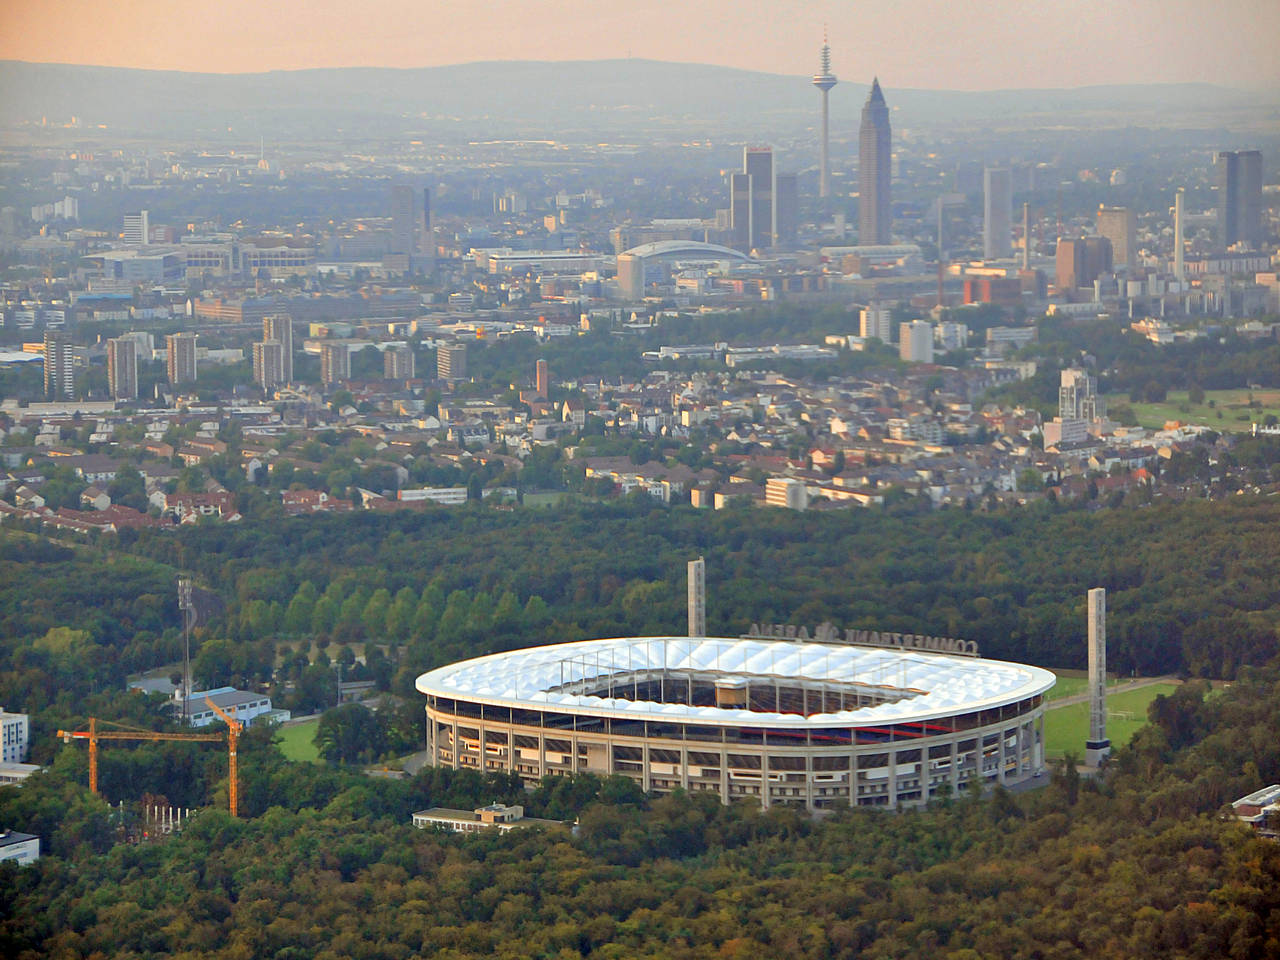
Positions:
{"x": 931, "y": 685}
{"x": 682, "y": 248}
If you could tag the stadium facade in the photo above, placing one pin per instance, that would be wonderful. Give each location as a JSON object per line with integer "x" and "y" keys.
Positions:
{"x": 817, "y": 724}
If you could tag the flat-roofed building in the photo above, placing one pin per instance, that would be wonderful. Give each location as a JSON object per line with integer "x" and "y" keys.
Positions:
{"x": 498, "y": 817}
{"x": 267, "y": 364}
{"x": 335, "y": 363}
{"x": 21, "y": 848}
{"x": 451, "y": 361}
{"x": 397, "y": 362}
{"x": 122, "y": 368}
{"x": 59, "y": 366}
{"x": 15, "y": 736}
{"x": 181, "y": 360}
{"x": 786, "y": 492}
{"x": 279, "y": 327}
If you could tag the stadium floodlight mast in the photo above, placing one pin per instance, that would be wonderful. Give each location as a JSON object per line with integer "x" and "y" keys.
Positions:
{"x": 187, "y": 607}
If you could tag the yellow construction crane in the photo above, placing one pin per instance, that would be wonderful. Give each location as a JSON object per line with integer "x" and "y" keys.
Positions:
{"x": 93, "y": 735}
{"x": 233, "y": 738}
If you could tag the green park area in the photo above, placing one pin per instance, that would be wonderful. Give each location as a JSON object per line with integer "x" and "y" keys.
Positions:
{"x": 1074, "y": 682}
{"x": 1066, "y": 728}
{"x": 1227, "y": 411}
{"x": 296, "y": 741}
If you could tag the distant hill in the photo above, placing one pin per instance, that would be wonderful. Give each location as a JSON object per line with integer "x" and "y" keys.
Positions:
{"x": 513, "y": 98}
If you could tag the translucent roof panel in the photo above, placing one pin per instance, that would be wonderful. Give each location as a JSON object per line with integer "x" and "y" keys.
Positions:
{"x": 933, "y": 685}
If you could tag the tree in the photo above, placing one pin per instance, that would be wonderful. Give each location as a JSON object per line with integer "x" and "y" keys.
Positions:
{"x": 301, "y": 609}
{"x": 375, "y": 614}
{"x": 400, "y": 615}
{"x": 1030, "y": 480}
{"x": 349, "y": 734}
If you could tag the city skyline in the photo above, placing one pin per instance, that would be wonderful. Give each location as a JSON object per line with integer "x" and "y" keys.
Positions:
{"x": 921, "y": 44}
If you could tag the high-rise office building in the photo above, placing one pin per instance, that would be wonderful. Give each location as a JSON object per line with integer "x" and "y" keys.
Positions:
{"x": 915, "y": 341}
{"x": 786, "y": 207}
{"x": 1118, "y": 225}
{"x": 279, "y": 327}
{"x": 397, "y": 362}
{"x": 824, "y": 80}
{"x": 875, "y": 170}
{"x": 757, "y": 163}
{"x": 122, "y": 368}
{"x": 59, "y": 366}
{"x": 137, "y": 228}
{"x": 181, "y": 349}
{"x": 404, "y": 219}
{"x": 335, "y": 363}
{"x": 1239, "y": 198}
{"x": 1070, "y": 264}
{"x": 1081, "y": 260}
{"x": 997, "y": 213}
{"x": 268, "y": 361}
{"x": 451, "y": 361}
{"x": 1098, "y": 257}
{"x": 542, "y": 379}
{"x": 763, "y": 204}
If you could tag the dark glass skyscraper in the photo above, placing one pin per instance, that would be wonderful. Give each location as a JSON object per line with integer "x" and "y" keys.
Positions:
{"x": 875, "y": 159}
{"x": 1239, "y": 198}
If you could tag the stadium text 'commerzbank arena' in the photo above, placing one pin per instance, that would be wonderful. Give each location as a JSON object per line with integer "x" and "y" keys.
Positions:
{"x": 824, "y": 725}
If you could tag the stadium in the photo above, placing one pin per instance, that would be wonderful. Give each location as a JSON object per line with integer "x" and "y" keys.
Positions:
{"x": 818, "y": 724}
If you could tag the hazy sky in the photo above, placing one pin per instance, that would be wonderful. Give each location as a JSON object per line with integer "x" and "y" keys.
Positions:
{"x": 953, "y": 44}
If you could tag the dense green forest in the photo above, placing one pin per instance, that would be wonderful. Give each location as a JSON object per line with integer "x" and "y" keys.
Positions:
{"x": 323, "y": 862}
{"x": 325, "y": 866}
{"x": 1194, "y": 587}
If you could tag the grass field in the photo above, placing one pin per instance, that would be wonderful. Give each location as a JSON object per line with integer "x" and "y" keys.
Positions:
{"x": 1233, "y": 405}
{"x": 1072, "y": 682}
{"x": 1067, "y": 728}
{"x": 295, "y": 741}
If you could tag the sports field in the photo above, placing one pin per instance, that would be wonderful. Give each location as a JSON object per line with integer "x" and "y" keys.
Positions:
{"x": 1067, "y": 728}
{"x": 1230, "y": 413}
{"x": 1072, "y": 682}
{"x": 295, "y": 741}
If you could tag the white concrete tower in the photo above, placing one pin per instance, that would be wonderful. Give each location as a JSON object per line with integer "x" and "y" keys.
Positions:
{"x": 824, "y": 80}
{"x": 698, "y": 598}
{"x": 1179, "y": 272}
{"x": 1097, "y": 748}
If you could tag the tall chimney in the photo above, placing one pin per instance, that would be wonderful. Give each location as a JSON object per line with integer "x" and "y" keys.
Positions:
{"x": 1097, "y": 748}
{"x": 698, "y": 598}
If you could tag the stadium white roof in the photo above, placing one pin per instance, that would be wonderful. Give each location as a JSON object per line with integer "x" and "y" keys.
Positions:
{"x": 932, "y": 685}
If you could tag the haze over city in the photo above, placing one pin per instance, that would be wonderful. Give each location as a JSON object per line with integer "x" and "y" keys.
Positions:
{"x": 704, "y": 481}
{"x": 929, "y": 44}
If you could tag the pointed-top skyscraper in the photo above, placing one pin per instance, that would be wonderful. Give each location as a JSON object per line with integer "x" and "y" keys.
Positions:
{"x": 875, "y": 160}
{"x": 824, "y": 80}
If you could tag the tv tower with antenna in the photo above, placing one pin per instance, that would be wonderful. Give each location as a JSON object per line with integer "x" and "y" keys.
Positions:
{"x": 824, "y": 80}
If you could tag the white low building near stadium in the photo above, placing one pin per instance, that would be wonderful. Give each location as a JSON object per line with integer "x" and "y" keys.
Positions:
{"x": 823, "y": 725}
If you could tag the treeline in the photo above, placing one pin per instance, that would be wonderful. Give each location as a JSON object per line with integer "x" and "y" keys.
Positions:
{"x": 326, "y": 866}
{"x": 1194, "y": 587}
